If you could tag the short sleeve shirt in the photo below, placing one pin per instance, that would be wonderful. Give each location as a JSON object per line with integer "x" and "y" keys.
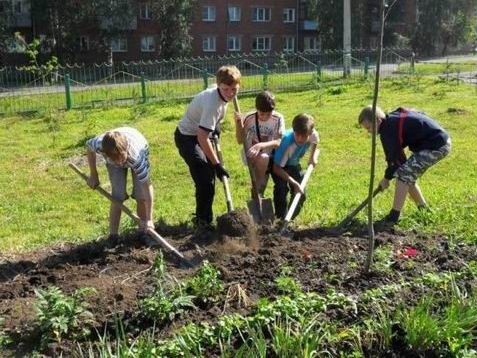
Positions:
{"x": 138, "y": 151}
{"x": 271, "y": 129}
{"x": 289, "y": 152}
{"x": 206, "y": 111}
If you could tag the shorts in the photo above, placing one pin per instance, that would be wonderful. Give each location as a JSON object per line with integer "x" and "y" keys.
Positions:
{"x": 118, "y": 178}
{"x": 419, "y": 162}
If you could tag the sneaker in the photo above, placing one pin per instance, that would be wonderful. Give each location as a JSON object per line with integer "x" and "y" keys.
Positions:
{"x": 385, "y": 224}
{"x": 202, "y": 227}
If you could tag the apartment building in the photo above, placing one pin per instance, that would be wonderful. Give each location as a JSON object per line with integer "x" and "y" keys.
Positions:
{"x": 219, "y": 27}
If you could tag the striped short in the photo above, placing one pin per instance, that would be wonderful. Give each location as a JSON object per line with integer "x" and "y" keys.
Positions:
{"x": 419, "y": 162}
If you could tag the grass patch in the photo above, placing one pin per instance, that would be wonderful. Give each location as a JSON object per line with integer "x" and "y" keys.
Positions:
{"x": 43, "y": 202}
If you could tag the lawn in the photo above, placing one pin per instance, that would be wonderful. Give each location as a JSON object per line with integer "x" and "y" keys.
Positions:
{"x": 43, "y": 202}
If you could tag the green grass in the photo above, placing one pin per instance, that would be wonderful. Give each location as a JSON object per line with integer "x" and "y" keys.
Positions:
{"x": 43, "y": 202}
{"x": 426, "y": 68}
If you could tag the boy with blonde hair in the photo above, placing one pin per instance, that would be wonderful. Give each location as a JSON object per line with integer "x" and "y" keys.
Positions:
{"x": 193, "y": 140}
{"x": 123, "y": 148}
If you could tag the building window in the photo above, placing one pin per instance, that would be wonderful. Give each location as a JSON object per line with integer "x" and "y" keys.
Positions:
{"x": 18, "y": 6}
{"x": 145, "y": 11}
{"x": 311, "y": 43}
{"x": 261, "y": 14}
{"x": 289, "y": 44}
{"x": 289, "y": 15}
{"x": 84, "y": 43}
{"x": 119, "y": 44}
{"x": 208, "y": 13}
{"x": 148, "y": 44}
{"x": 233, "y": 43}
{"x": 234, "y": 13}
{"x": 262, "y": 43}
{"x": 3, "y": 6}
{"x": 208, "y": 43}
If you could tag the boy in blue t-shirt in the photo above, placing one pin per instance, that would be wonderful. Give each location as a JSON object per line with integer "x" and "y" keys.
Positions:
{"x": 286, "y": 172}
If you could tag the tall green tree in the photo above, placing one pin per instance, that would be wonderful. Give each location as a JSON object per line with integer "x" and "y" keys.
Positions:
{"x": 64, "y": 21}
{"x": 442, "y": 24}
{"x": 329, "y": 14}
{"x": 175, "y": 20}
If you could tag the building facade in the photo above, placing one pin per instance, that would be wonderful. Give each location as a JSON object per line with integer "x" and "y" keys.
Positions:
{"x": 219, "y": 27}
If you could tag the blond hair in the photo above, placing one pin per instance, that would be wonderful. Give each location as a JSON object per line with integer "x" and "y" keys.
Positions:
{"x": 229, "y": 75}
{"x": 114, "y": 144}
{"x": 367, "y": 114}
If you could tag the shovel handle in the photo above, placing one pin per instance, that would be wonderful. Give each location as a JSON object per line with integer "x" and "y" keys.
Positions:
{"x": 236, "y": 104}
{"x": 104, "y": 193}
{"x": 133, "y": 216}
{"x": 225, "y": 180}
{"x": 297, "y": 196}
{"x": 360, "y": 207}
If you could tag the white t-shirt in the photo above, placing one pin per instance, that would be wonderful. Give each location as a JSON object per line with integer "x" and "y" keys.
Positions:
{"x": 206, "y": 110}
{"x": 271, "y": 129}
{"x": 138, "y": 151}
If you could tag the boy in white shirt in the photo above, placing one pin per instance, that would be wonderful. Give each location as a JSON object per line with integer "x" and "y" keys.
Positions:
{"x": 193, "y": 139}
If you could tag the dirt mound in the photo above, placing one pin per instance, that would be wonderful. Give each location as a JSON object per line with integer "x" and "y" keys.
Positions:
{"x": 237, "y": 223}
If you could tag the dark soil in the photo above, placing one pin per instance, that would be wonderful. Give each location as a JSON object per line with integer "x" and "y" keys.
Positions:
{"x": 119, "y": 272}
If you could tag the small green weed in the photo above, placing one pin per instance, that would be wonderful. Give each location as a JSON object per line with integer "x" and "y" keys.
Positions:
{"x": 286, "y": 284}
{"x": 383, "y": 258}
{"x": 206, "y": 284}
{"x": 59, "y": 315}
{"x": 4, "y": 337}
{"x": 168, "y": 299}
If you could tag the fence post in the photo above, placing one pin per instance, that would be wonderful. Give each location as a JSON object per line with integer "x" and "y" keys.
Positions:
{"x": 366, "y": 66}
{"x": 69, "y": 100}
{"x": 413, "y": 61}
{"x": 265, "y": 76}
{"x": 318, "y": 70}
{"x": 143, "y": 88}
{"x": 205, "y": 77}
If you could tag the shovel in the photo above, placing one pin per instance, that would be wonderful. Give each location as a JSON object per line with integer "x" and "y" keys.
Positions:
{"x": 296, "y": 199}
{"x": 261, "y": 209}
{"x": 345, "y": 222}
{"x": 135, "y": 218}
{"x": 225, "y": 181}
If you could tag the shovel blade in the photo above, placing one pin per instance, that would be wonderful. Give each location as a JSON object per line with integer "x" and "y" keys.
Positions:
{"x": 267, "y": 211}
{"x": 254, "y": 211}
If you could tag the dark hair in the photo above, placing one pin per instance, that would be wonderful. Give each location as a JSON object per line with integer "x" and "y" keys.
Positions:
{"x": 265, "y": 101}
{"x": 303, "y": 124}
{"x": 367, "y": 114}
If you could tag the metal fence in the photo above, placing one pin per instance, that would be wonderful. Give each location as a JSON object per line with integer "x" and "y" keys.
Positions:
{"x": 102, "y": 85}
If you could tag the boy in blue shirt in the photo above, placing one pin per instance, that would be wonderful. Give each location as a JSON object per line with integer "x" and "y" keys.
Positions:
{"x": 424, "y": 137}
{"x": 286, "y": 172}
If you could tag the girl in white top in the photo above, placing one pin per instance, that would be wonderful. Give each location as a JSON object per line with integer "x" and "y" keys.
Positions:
{"x": 260, "y": 132}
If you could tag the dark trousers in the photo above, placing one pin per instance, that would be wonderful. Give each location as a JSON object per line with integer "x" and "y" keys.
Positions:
{"x": 202, "y": 173}
{"x": 281, "y": 189}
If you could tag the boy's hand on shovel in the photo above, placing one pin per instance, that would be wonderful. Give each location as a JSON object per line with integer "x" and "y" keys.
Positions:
{"x": 296, "y": 186}
{"x": 384, "y": 184}
{"x": 145, "y": 225}
{"x": 93, "y": 181}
